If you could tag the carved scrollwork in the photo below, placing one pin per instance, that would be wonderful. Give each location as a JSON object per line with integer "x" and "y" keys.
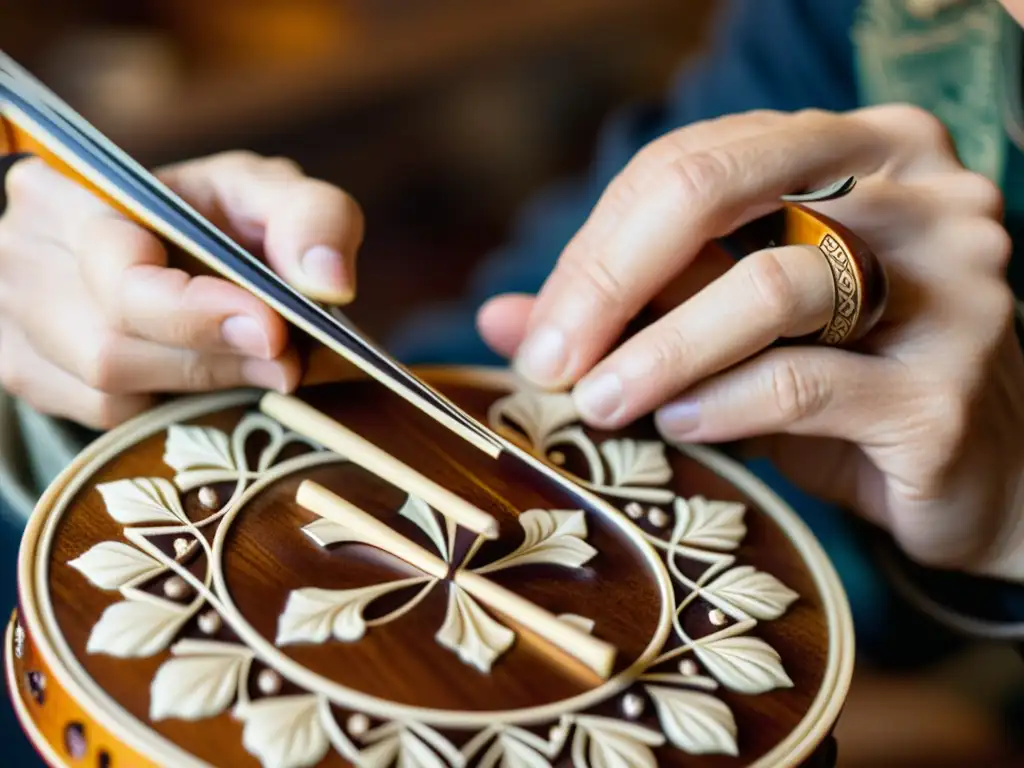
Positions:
{"x": 696, "y": 537}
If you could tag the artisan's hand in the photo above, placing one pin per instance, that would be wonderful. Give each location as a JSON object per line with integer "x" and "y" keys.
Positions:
{"x": 93, "y": 323}
{"x": 921, "y": 429}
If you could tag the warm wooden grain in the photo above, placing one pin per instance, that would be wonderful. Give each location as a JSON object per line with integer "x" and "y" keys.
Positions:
{"x": 267, "y": 555}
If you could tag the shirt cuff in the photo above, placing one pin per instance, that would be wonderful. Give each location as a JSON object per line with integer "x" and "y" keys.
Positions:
{"x": 975, "y": 606}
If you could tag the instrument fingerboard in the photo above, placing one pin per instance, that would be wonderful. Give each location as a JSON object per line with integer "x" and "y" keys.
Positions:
{"x": 37, "y": 111}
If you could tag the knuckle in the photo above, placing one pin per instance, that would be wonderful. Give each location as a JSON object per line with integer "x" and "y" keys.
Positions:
{"x": 985, "y": 195}
{"x": 239, "y": 158}
{"x": 604, "y": 286}
{"x": 797, "y": 393}
{"x": 326, "y": 197}
{"x": 255, "y": 163}
{"x": 668, "y": 352}
{"x": 918, "y": 121}
{"x": 188, "y": 325}
{"x": 657, "y": 151}
{"x": 950, "y": 416}
{"x": 197, "y": 375}
{"x": 764, "y": 116}
{"x": 100, "y": 369}
{"x": 619, "y": 195}
{"x": 184, "y": 332}
{"x": 770, "y": 284}
{"x": 201, "y": 374}
{"x": 284, "y": 166}
{"x": 990, "y": 241}
{"x": 104, "y": 413}
{"x": 700, "y": 177}
{"x": 814, "y": 116}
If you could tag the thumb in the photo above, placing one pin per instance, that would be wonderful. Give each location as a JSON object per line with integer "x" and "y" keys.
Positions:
{"x": 309, "y": 231}
{"x": 502, "y": 322}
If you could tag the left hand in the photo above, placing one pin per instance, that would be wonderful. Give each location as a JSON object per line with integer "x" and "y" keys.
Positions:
{"x": 920, "y": 428}
{"x": 97, "y": 323}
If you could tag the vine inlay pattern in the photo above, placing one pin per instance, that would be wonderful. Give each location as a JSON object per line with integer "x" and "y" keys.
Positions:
{"x": 203, "y": 678}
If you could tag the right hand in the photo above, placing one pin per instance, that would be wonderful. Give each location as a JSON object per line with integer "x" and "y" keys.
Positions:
{"x": 94, "y": 324}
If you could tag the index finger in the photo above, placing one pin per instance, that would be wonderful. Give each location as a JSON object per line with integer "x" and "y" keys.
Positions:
{"x": 309, "y": 230}
{"x": 702, "y": 189}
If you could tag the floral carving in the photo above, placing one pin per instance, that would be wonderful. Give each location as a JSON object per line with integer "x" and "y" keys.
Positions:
{"x": 286, "y": 731}
{"x": 200, "y": 681}
{"x": 599, "y": 741}
{"x": 555, "y": 537}
{"x": 703, "y": 532}
{"x": 205, "y": 678}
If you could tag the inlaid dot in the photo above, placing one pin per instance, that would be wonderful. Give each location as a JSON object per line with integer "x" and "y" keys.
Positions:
{"x": 269, "y": 682}
{"x": 632, "y": 706}
{"x": 209, "y": 622}
{"x": 74, "y": 740}
{"x": 180, "y": 547}
{"x": 657, "y": 517}
{"x": 358, "y": 724}
{"x": 36, "y": 682}
{"x": 687, "y": 668}
{"x": 208, "y": 497}
{"x": 175, "y": 587}
{"x": 634, "y": 510}
{"x": 716, "y": 617}
{"x": 557, "y": 457}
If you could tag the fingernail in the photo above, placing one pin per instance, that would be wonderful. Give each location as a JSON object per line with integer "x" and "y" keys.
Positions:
{"x": 600, "y": 398}
{"x": 266, "y": 374}
{"x": 679, "y": 418}
{"x": 542, "y": 357}
{"x": 326, "y": 271}
{"x": 245, "y": 334}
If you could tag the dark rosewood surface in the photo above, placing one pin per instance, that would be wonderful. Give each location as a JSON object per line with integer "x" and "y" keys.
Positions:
{"x": 266, "y": 556}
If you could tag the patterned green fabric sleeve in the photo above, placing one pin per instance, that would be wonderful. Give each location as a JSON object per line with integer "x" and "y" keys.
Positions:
{"x": 33, "y": 450}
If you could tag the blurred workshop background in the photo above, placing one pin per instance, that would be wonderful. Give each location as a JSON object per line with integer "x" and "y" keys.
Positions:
{"x": 441, "y": 117}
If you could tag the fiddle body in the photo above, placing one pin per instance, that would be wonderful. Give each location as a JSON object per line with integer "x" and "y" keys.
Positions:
{"x": 180, "y": 606}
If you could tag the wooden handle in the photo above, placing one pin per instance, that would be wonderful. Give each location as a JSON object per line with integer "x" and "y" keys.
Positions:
{"x": 306, "y": 420}
{"x": 18, "y": 136}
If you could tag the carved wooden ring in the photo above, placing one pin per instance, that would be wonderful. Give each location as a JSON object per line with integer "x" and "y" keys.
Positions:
{"x": 861, "y": 286}
{"x": 858, "y": 278}
{"x": 179, "y": 607}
